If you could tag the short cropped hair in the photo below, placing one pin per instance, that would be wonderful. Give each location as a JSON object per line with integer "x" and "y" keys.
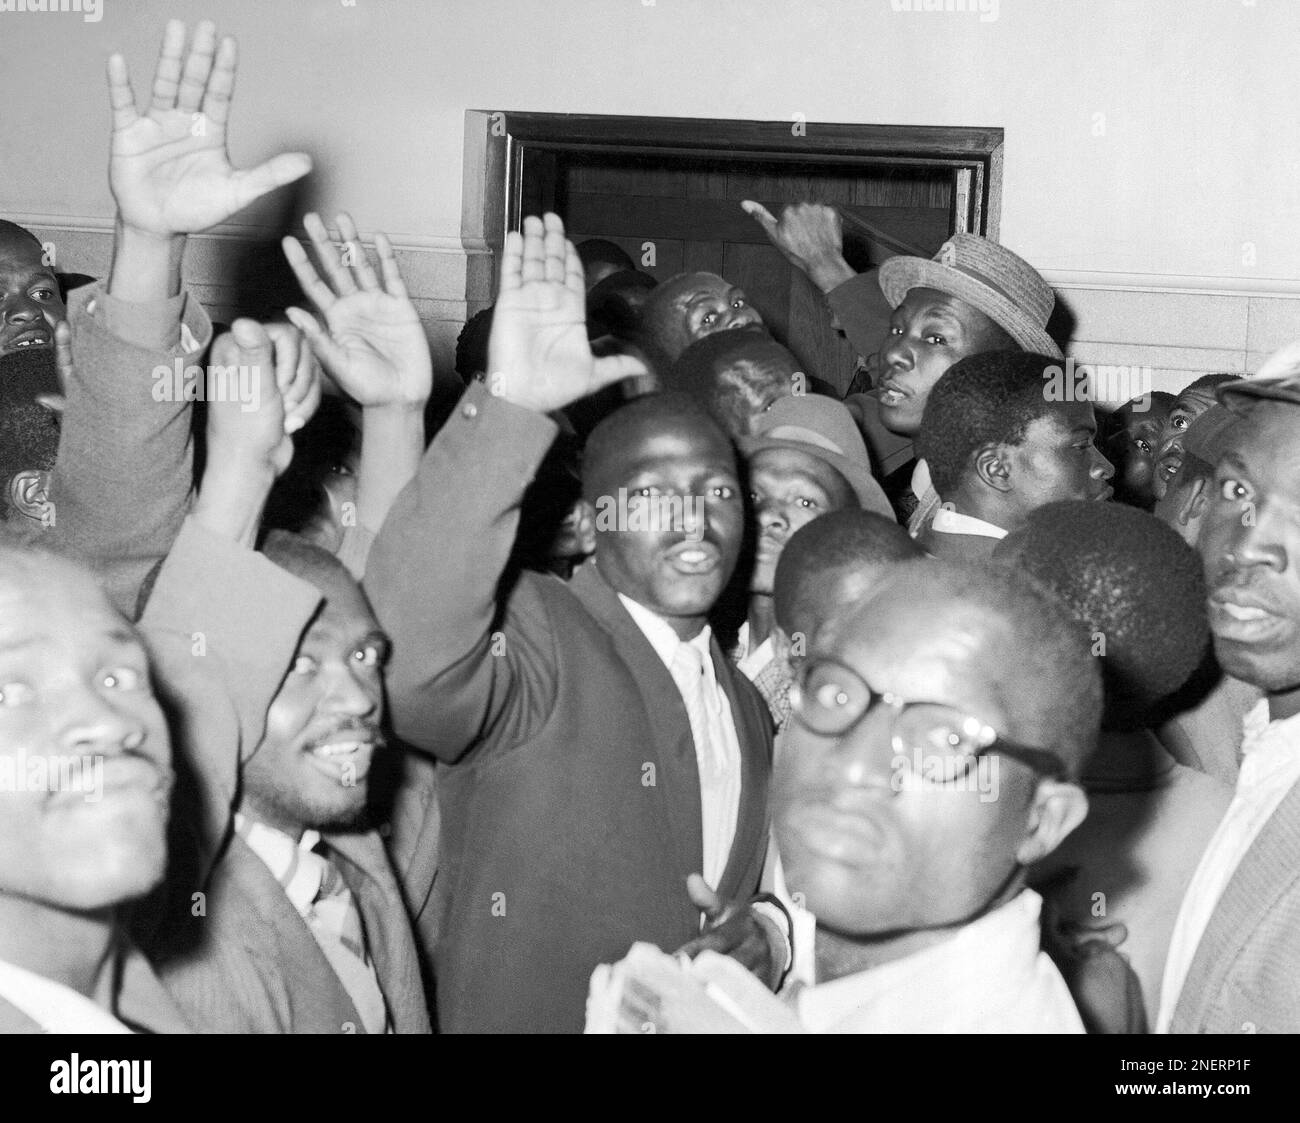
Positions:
{"x": 989, "y": 398}
{"x": 820, "y": 550}
{"x": 1040, "y": 654}
{"x": 1135, "y": 589}
{"x": 609, "y": 439}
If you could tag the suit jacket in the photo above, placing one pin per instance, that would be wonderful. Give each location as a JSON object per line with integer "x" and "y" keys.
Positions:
{"x": 238, "y": 957}
{"x": 1245, "y": 974}
{"x": 121, "y": 485}
{"x": 571, "y": 812}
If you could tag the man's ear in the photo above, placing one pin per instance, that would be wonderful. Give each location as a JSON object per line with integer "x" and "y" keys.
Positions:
{"x": 993, "y": 467}
{"x": 1058, "y": 807}
{"x": 29, "y": 494}
{"x": 584, "y": 529}
{"x": 1193, "y": 504}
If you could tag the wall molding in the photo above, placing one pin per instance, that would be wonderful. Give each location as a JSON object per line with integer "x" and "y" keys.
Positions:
{"x": 97, "y": 224}
{"x": 1190, "y": 284}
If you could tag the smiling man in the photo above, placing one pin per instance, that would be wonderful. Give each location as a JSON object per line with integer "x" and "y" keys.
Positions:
{"x": 928, "y": 761}
{"x": 282, "y": 913}
{"x": 30, "y": 300}
{"x": 998, "y": 448}
{"x": 601, "y": 748}
{"x": 1234, "y": 960}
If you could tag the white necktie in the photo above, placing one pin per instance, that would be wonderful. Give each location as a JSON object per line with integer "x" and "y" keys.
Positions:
{"x": 719, "y": 770}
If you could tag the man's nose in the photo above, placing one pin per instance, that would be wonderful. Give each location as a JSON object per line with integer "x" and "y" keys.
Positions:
{"x": 770, "y": 514}
{"x": 1102, "y": 468}
{"x": 865, "y": 755}
{"x": 24, "y": 310}
{"x": 896, "y": 353}
{"x": 93, "y": 725}
{"x": 347, "y": 695}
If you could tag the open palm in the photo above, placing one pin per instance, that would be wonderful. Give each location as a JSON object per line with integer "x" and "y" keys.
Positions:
{"x": 538, "y": 353}
{"x": 374, "y": 346}
{"x": 169, "y": 170}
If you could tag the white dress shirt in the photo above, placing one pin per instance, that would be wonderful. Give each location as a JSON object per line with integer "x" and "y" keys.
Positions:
{"x": 52, "y": 1006}
{"x": 299, "y": 870}
{"x": 1270, "y": 767}
{"x": 948, "y": 521}
{"x": 990, "y": 977}
{"x": 751, "y": 662}
{"x": 717, "y": 746}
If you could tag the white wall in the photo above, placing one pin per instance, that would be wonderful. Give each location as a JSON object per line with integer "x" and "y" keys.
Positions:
{"x": 1152, "y": 149}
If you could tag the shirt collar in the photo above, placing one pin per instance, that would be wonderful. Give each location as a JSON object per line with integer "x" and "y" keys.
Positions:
{"x": 662, "y": 637}
{"x": 948, "y": 521}
{"x": 300, "y": 879}
{"x": 992, "y": 956}
{"x": 54, "y": 1007}
{"x": 1268, "y": 747}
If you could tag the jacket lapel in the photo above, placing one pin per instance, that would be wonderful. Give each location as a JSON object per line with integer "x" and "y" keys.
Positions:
{"x": 1267, "y": 870}
{"x": 753, "y": 731}
{"x": 317, "y": 1001}
{"x": 389, "y": 938}
{"x": 666, "y": 725}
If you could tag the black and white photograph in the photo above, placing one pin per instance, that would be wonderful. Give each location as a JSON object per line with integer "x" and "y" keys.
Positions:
{"x": 648, "y": 517}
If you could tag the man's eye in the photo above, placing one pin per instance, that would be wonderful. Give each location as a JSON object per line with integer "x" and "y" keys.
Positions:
{"x": 935, "y": 340}
{"x": 894, "y": 329}
{"x": 647, "y": 492}
{"x": 304, "y": 665}
{"x": 708, "y": 319}
{"x": 724, "y": 491}
{"x": 739, "y": 302}
{"x": 1179, "y": 422}
{"x": 44, "y": 294}
{"x": 805, "y": 502}
{"x": 122, "y": 678}
{"x": 369, "y": 656}
{"x": 14, "y": 694}
{"x": 1143, "y": 446}
{"x": 832, "y": 696}
{"x": 1234, "y": 490}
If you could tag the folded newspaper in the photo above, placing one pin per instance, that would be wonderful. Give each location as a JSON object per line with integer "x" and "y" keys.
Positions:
{"x": 649, "y": 991}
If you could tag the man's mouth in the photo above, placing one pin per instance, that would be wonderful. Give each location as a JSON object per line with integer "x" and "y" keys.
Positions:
{"x": 345, "y": 756}
{"x": 1104, "y": 494}
{"x": 1245, "y": 617}
{"x": 837, "y": 834}
{"x": 891, "y": 393}
{"x": 694, "y": 558}
{"x": 26, "y": 339}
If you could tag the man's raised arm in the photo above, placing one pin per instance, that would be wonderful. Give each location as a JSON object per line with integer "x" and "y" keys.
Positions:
{"x": 436, "y": 565}
{"x": 122, "y": 482}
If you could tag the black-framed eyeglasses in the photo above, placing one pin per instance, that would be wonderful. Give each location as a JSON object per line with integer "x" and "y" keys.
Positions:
{"x": 939, "y": 743}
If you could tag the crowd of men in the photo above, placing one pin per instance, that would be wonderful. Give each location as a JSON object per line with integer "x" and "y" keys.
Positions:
{"x": 950, "y": 705}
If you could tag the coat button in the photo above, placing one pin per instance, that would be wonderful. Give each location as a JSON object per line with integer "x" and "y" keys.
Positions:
{"x": 469, "y": 409}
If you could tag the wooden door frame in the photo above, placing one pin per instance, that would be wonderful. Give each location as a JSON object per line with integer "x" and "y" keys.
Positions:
{"x": 500, "y": 147}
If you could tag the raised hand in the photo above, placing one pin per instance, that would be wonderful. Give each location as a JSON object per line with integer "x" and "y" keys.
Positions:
{"x": 375, "y": 347}
{"x": 811, "y": 237}
{"x": 538, "y": 354}
{"x": 169, "y": 170}
{"x": 279, "y": 390}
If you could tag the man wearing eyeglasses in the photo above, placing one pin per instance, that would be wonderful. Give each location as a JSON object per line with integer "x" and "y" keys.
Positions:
{"x": 930, "y": 758}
